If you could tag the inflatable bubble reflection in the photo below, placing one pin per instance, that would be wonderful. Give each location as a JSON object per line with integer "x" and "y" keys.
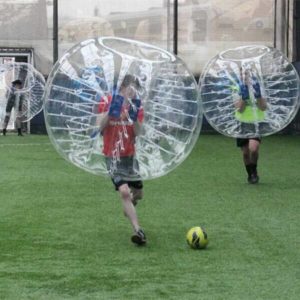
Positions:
{"x": 270, "y": 77}
{"x": 33, "y": 86}
{"x": 125, "y": 83}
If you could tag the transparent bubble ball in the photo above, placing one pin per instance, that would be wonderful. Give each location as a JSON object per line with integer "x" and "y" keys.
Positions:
{"x": 87, "y": 88}
{"x": 271, "y": 98}
{"x": 31, "y": 92}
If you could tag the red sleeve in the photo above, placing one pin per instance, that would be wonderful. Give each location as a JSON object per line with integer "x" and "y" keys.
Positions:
{"x": 104, "y": 104}
{"x": 140, "y": 115}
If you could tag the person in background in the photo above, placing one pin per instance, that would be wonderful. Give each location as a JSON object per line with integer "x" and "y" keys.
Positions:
{"x": 14, "y": 100}
{"x": 250, "y": 109}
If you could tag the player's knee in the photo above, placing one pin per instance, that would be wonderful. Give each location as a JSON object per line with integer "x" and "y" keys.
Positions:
{"x": 125, "y": 192}
{"x": 254, "y": 148}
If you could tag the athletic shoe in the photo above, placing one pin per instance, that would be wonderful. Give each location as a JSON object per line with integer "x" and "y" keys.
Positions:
{"x": 253, "y": 179}
{"x": 139, "y": 238}
{"x": 20, "y": 132}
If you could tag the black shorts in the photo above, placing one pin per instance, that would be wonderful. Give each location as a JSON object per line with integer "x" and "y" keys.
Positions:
{"x": 123, "y": 169}
{"x": 244, "y": 142}
{"x": 138, "y": 184}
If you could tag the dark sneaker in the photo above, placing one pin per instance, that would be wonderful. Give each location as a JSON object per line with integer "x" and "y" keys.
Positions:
{"x": 20, "y": 132}
{"x": 4, "y": 131}
{"x": 253, "y": 179}
{"x": 139, "y": 238}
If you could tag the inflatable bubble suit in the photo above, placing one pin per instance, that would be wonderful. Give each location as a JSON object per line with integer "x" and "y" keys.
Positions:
{"x": 31, "y": 92}
{"x": 123, "y": 108}
{"x": 249, "y": 91}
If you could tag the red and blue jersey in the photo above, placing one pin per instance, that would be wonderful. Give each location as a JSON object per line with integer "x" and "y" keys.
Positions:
{"x": 118, "y": 134}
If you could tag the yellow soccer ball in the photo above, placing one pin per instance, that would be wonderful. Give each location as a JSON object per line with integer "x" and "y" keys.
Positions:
{"x": 196, "y": 237}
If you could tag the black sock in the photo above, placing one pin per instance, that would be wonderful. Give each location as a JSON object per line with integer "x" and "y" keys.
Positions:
{"x": 254, "y": 169}
{"x": 249, "y": 169}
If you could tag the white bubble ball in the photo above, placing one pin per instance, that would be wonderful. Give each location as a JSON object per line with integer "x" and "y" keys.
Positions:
{"x": 90, "y": 76}
{"x": 221, "y": 85}
{"x": 31, "y": 92}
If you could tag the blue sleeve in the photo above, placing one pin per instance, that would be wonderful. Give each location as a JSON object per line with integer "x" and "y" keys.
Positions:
{"x": 256, "y": 88}
{"x": 134, "y": 109}
{"x": 244, "y": 92}
{"x": 116, "y": 106}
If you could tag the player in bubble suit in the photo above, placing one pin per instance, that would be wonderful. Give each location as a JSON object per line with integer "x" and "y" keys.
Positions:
{"x": 249, "y": 109}
{"x": 121, "y": 117}
{"x": 14, "y": 100}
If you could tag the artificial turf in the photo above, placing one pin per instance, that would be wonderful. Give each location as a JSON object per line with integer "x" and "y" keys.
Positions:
{"x": 63, "y": 234}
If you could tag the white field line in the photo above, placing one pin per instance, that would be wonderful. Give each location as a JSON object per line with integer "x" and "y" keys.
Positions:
{"x": 29, "y": 144}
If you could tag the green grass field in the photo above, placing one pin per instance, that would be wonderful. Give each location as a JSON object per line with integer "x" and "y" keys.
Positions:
{"x": 63, "y": 234}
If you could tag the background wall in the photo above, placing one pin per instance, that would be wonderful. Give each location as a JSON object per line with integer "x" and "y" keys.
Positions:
{"x": 204, "y": 27}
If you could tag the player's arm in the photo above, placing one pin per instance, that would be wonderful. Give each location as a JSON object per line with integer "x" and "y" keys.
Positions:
{"x": 136, "y": 114}
{"x": 241, "y": 104}
{"x": 102, "y": 120}
{"x": 113, "y": 111}
{"x": 260, "y": 101}
{"x": 101, "y": 112}
{"x": 137, "y": 126}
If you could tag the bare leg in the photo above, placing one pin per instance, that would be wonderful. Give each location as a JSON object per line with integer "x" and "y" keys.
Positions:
{"x": 250, "y": 156}
{"x": 253, "y": 150}
{"x": 128, "y": 207}
{"x": 138, "y": 237}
